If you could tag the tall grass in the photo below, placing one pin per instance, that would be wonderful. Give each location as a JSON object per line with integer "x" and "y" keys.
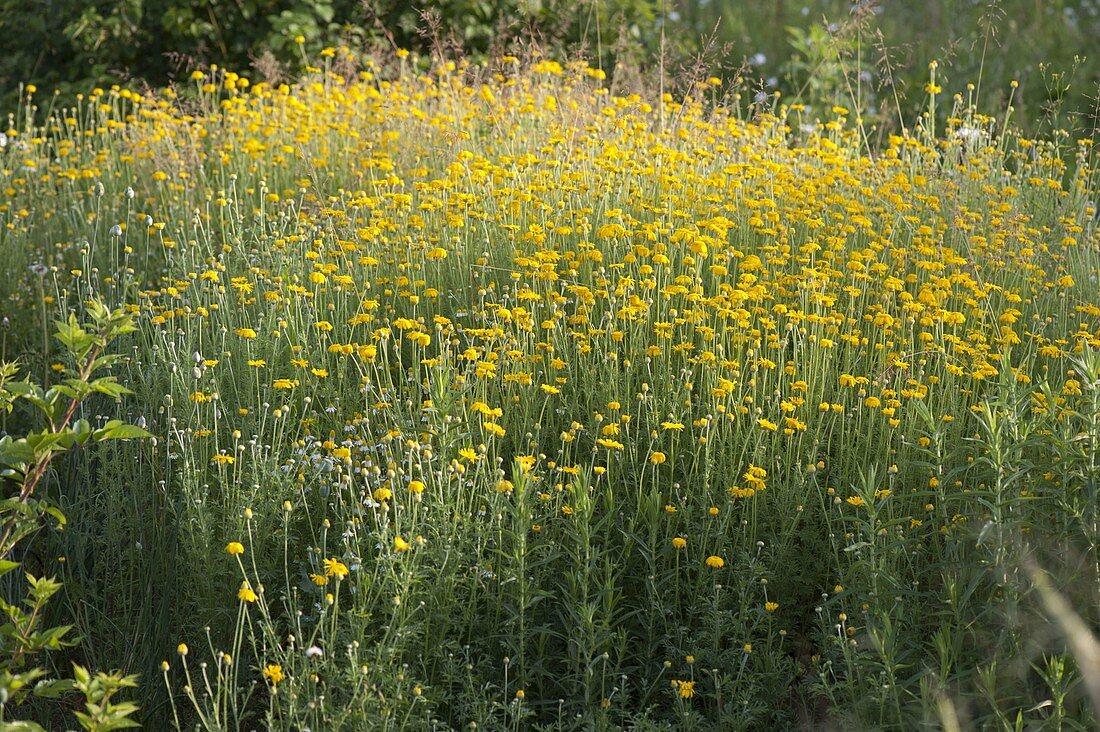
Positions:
{"x": 486, "y": 397}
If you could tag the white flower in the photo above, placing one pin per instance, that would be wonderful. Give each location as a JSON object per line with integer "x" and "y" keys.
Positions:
{"x": 968, "y": 133}
{"x": 314, "y": 651}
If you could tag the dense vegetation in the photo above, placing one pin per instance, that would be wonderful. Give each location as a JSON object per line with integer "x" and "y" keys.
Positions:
{"x": 489, "y": 395}
{"x": 816, "y": 51}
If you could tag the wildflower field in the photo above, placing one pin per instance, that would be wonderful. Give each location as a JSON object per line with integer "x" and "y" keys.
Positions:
{"x": 491, "y": 397}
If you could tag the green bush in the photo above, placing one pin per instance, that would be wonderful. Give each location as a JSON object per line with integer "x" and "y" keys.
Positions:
{"x": 865, "y": 53}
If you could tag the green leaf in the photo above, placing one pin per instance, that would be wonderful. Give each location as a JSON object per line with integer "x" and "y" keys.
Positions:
{"x": 119, "y": 430}
{"x": 71, "y": 335}
{"x": 81, "y": 675}
{"x": 108, "y": 360}
{"x": 22, "y": 726}
{"x": 72, "y": 388}
{"x": 45, "y": 442}
{"x": 55, "y": 512}
{"x": 42, "y": 588}
{"x": 54, "y": 638}
{"x": 6, "y": 565}
{"x": 15, "y": 453}
{"x": 22, "y": 388}
{"x": 17, "y": 506}
{"x": 53, "y": 688}
{"x": 107, "y": 385}
{"x": 82, "y": 428}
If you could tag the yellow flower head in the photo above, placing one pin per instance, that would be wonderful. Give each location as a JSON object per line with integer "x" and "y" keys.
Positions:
{"x": 246, "y": 594}
{"x": 336, "y": 568}
{"x": 273, "y": 672}
{"x": 234, "y": 548}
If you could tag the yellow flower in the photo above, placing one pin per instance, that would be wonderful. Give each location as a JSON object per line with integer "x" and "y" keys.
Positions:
{"x": 246, "y": 333}
{"x": 245, "y": 593}
{"x": 657, "y": 458}
{"x": 415, "y": 486}
{"x": 234, "y": 548}
{"x": 715, "y": 562}
{"x": 679, "y": 542}
{"x": 771, "y": 607}
{"x": 400, "y": 545}
{"x": 335, "y": 568}
{"x": 273, "y": 672}
{"x": 686, "y": 689}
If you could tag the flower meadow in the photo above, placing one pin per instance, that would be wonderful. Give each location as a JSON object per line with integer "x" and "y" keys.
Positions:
{"x": 496, "y": 397}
